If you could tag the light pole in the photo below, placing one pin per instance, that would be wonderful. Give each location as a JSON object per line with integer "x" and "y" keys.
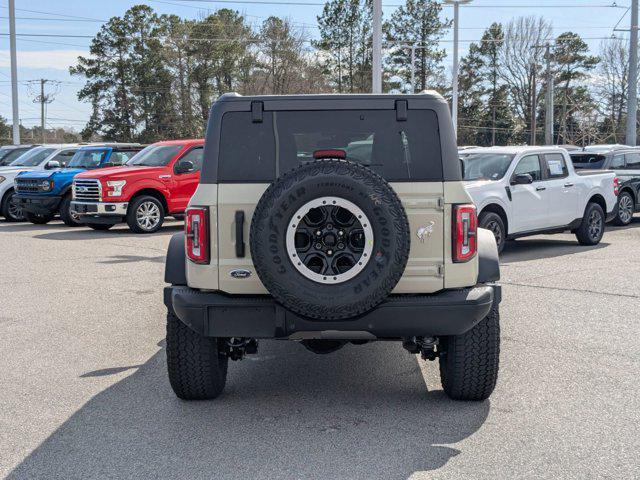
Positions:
{"x": 376, "y": 65}
{"x": 454, "y": 89}
{"x": 632, "y": 94}
{"x": 14, "y": 72}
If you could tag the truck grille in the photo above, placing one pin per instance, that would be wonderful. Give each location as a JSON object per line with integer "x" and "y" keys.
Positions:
{"x": 27, "y": 185}
{"x": 87, "y": 190}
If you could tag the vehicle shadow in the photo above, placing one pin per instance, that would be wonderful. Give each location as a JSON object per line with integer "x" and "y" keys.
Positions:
{"x": 363, "y": 412}
{"x": 523, "y": 250}
{"x": 635, "y": 223}
{"x": 84, "y": 233}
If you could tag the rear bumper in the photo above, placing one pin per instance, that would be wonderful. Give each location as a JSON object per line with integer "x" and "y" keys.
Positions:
{"x": 39, "y": 204}
{"x": 214, "y": 314}
{"x": 100, "y": 212}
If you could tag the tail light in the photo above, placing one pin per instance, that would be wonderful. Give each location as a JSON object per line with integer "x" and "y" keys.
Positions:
{"x": 616, "y": 186}
{"x": 465, "y": 231}
{"x": 196, "y": 229}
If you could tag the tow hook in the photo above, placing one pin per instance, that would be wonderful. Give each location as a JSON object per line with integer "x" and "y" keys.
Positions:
{"x": 425, "y": 346}
{"x": 237, "y": 348}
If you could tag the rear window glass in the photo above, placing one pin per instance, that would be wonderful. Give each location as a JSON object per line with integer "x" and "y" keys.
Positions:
{"x": 587, "y": 160}
{"x": 399, "y": 151}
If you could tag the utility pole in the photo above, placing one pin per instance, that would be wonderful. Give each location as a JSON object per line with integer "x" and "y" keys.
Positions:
{"x": 14, "y": 72}
{"x": 534, "y": 101}
{"x": 632, "y": 94}
{"x": 43, "y": 99}
{"x": 376, "y": 66}
{"x": 413, "y": 68}
{"x": 548, "y": 117}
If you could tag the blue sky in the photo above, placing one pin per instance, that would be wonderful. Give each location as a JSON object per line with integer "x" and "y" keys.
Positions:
{"x": 49, "y": 57}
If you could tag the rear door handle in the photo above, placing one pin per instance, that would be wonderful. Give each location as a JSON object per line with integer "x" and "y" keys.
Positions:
{"x": 539, "y": 189}
{"x": 568, "y": 184}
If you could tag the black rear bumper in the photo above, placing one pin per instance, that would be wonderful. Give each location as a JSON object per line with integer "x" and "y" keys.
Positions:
{"x": 214, "y": 314}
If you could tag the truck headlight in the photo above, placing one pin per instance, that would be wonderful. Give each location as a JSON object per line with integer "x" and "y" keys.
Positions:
{"x": 46, "y": 185}
{"x": 116, "y": 187}
{"x": 2, "y": 179}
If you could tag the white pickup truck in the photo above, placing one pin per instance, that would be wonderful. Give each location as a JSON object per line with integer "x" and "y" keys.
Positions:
{"x": 522, "y": 191}
{"x": 38, "y": 158}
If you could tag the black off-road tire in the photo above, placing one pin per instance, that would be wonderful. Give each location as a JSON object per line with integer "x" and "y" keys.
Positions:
{"x": 65, "y": 213}
{"x": 390, "y": 230}
{"x": 196, "y": 369}
{"x": 493, "y": 222}
{"x": 585, "y": 232}
{"x": 37, "y": 219}
{"x": 132, "y": 220}
{"x": 6, "y": 208}
{"x": 101, "y": 227}
{"x": 623, "y": 221}
{"x": 469, "y": 362}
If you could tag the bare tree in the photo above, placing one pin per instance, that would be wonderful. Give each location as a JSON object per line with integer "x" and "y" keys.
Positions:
{"x": 611, "y": 88}
{"x": 522, "y": 61}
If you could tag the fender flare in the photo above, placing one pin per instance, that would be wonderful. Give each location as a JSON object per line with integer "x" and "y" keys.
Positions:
{"x": 488, "y": 261}
{"x": 174, "y": 269}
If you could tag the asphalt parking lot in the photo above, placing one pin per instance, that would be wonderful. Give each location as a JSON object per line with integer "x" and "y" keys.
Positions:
{"x": 84, "y": 392}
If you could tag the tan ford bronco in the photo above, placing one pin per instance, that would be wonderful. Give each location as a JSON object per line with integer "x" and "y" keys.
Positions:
{"x": 327, "y": 220}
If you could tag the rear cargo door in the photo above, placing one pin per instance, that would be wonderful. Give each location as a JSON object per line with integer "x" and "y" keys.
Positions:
{"x": 404, "y": 149}
{"x": 424, "y": 205}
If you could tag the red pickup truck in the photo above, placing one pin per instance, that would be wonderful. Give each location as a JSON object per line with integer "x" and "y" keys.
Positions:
{"x": 155, "y": 183}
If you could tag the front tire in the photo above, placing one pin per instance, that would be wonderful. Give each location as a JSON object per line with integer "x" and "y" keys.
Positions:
{"x": 69, "y": 219}
{"x": 145, "y": 215}
{"x": 625, "y": 209}
{"x": 11, "y": 211}
{"x": 591, "y": 230}
{"x": 493, "y": 222}
{"x": 469, "y": 362}
{"x": 38, "y": 219}
{"x": 197, "y": 370}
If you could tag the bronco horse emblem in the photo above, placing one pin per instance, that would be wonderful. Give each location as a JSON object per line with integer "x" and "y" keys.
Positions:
{"x": 425, "y": 231}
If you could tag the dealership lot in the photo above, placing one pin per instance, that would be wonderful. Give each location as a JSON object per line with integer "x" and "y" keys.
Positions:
{"x": 84, "y": 392}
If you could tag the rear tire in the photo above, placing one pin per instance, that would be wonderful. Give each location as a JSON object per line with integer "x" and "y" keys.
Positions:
{"x": 38, "y": 219}
{"x": 100, "y": 227}
{"x": 469, "y": 362}
{"x": 145, "y": 214}
{"x": 11, "y": 211}
{"x": 69, "y": 219}
{"x": 197, "y": 370}
{"x": 624, "y": 211}
{"x": 493, "y": 222}
{"x": 591, "y": 230}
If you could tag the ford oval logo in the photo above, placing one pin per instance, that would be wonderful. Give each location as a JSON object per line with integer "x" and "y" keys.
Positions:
{"x": 82, "y": 189}
{"x": 240, "y": 273}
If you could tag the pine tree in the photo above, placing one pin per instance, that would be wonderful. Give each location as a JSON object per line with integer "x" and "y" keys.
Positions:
{"x": 417, "y": 23}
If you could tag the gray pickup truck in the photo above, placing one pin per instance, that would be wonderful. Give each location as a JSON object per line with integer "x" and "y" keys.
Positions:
{"x": 328, "y": 220}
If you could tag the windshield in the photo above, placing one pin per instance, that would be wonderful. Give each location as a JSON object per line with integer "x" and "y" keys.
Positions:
{"x": 8, "y": 155}
{"x": 485, "y": 166}
{"x": 87, "y": 158}
{"x": 154, "y": 156}
{"x": 33, "y": 157}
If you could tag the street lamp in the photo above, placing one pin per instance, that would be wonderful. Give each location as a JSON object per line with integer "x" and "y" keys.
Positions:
{"x": 454, "y": 100}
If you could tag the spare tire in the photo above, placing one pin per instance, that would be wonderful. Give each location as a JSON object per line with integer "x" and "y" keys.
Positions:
{"x": 330, "y": 239}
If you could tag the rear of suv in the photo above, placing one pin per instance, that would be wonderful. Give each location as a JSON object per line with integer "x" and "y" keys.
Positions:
{"x": 327, "y": 220}
{"x": 625, "y": 162}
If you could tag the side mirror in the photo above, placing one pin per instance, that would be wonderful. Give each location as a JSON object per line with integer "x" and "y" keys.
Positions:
{"x": 522, "y": 179}
{"x": 183, "y": 166}
{"x": 51, "y": 164}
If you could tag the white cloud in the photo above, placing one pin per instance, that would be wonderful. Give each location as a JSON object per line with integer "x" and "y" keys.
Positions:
{"x": 52, "y": 59}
